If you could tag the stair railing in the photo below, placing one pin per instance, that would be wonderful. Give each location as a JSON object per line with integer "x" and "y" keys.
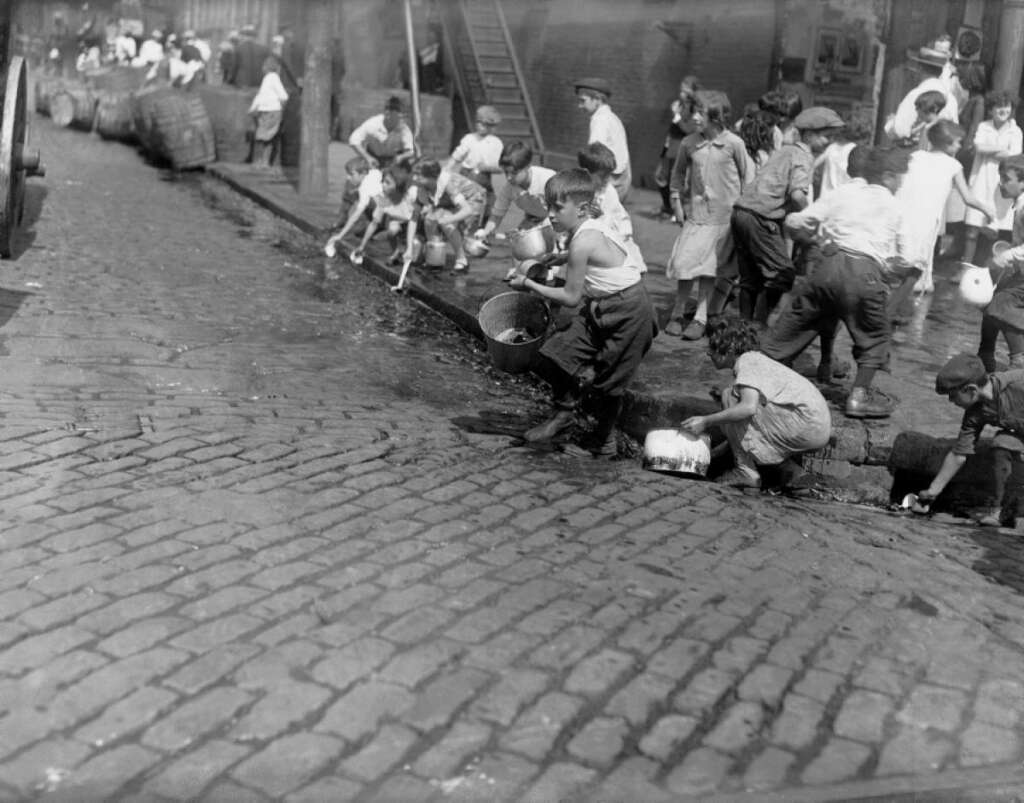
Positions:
{"x": 449, "y": 39}
{"x": 464, "y": 7}
{"x": 520, "y": 78}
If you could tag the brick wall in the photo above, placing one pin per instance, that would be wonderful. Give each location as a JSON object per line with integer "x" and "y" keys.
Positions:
{"x": 644, "y": 48}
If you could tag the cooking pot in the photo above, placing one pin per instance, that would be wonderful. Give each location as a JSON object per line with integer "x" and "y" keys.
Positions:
{"x": 476, "y": 246}
{"x": 435, "y": 252}
{"x": 532, "y": 243}
{"x": 676, "y": 452}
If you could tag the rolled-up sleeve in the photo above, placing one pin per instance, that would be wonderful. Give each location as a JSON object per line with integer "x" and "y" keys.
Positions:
{"x": 970, "y": 430}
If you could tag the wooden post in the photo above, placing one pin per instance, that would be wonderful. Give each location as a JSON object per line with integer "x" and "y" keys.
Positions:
{"x": 316, "y": 101}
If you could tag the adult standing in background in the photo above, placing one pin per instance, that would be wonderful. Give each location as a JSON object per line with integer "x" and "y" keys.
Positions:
{"x": 605, "y": 127}
{"x": 247, "y": 70}
{"x": 937, "y": 75}
{"x": 226, "y": 57}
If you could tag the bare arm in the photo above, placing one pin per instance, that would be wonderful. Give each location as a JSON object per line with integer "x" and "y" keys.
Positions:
{"x": 960, "y": 185}
{"x": 951, "y": 464}
{"x": 741, "y": 411}
{"x": 570, "y": 295}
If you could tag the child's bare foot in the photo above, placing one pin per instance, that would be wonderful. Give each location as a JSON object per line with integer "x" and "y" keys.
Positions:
{"x": 674, "y": 328}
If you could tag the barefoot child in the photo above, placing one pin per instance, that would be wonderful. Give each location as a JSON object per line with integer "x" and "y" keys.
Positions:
{"x": 267, "y": 108}
{"x": 607, "y": 338}
{"x": 394, "y": 207}
{"x": 713, "y": 164}
{"x": 452, "y": 205}
{"x": 362, "y": 185}
{"x": 769, "y": 414}
{"x": 995, "y": 399}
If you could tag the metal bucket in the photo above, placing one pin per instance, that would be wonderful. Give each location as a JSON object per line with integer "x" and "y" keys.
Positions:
{"x": 509, "y": 311}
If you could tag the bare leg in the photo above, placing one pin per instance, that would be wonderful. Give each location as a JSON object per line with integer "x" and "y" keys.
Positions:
{"x": 674, "y": 328}
{"x": 970, "y": 243}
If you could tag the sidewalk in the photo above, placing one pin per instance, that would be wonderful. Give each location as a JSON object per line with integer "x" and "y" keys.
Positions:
{"x": 674, "y": 379}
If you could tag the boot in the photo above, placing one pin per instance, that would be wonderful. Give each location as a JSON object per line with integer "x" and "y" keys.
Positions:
{"x": 604, "y": 444}
{"x": 559, "y": 422}
{"x": 868, "y": 403}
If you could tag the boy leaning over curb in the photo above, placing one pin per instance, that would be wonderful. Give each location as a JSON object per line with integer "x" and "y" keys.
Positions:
{"x": 996, "y": 399}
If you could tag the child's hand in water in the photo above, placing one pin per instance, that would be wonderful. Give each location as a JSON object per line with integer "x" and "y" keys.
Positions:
{"x": 694, "y": 425}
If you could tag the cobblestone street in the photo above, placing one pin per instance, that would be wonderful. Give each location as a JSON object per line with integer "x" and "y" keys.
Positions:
{"x": 249, "y": 553}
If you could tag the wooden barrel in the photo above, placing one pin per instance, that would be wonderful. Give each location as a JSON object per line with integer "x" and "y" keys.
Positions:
{"x": 114, "y": 116}
{"x": 73, "y": 105}
{"x": 45, "y": 87}
{"x": 183, "y": 128}
{"x": 228, "y": 109}
{"x": 119, "y": 78}
{"x": 143, "y": 104}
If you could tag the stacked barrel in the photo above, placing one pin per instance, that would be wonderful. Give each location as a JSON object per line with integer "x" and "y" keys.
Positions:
{"x": 183, "y": 127}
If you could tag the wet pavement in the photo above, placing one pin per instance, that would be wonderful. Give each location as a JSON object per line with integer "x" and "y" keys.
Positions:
{"x": 251, "y": 551}
{"x": 674, "y": 380}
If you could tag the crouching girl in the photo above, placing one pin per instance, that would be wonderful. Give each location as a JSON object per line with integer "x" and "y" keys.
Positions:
{"x": 769, "y": 414}
{"x": 394, "y": 208}
{"x": 450, "y": 203}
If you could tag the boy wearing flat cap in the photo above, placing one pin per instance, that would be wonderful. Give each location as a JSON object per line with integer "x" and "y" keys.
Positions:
{"x": 592, "y": 96}
{"x": 781, "y": 186}
{"x": 996, "y": 399}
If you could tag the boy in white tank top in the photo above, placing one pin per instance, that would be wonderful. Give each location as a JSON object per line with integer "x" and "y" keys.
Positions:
{"x": 605, "y": 341}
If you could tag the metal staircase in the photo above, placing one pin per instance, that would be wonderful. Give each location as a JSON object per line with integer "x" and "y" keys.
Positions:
{"x": 486, "y": 70}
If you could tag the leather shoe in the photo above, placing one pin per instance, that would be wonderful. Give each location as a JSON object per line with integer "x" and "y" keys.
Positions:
{"x": 695, "y": 331}
{"x": 559, "y": 422}
{"x": 868, "y": 403}
{"x": 739, "y": 479}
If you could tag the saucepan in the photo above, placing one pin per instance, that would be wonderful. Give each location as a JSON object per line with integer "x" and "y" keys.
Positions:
{"x": 532, "y": 243}
{"x": 476, "y": 246}
{"x": 674, "y": 451}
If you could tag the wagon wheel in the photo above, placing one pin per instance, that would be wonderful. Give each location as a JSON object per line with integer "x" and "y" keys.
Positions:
{"x": 14, "y": 160}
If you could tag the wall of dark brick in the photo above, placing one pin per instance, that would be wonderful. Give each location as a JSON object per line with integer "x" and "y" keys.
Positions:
{"x": 643, "y": 48}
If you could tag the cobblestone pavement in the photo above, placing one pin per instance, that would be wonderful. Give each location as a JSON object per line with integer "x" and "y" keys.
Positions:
{"x": 248, "y": 554}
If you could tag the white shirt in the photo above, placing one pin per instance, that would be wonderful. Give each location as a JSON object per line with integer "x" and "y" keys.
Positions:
{"x": 833, "y": 166}
{"x": 607, "y": 128}
{"x": 370, "y": 187}
{"x": 478, "y": 153}
{"x": 125, "y": 48}
{"x": 151, "y": 52}
{"x": 271, "y": 95}
{"x": 902, "y": 123}
{"x": 860, "y": 217}
{"x": 509, "y": 192}
{"x": 374, "y": 127}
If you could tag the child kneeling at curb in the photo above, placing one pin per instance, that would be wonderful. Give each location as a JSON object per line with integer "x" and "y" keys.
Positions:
{"x": 996, "y": 399}
{"x": 605, "y": 341}
{"x": 394, "y": 207}
{"x": 362, "y": 184}
{"x": 453, "y": 205}
{"x": 769, "y": 414}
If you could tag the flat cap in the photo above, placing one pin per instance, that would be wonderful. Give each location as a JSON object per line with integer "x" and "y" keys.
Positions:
{"x": 597, "y": 84}
{"x": 963, "y": 369}
{"x": 817, "y": 118}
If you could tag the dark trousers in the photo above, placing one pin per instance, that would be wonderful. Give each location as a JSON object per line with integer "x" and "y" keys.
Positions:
{"x": 845, "y": 287}
{"x": 762, "y": 257}
{"x": 602, "y": 344}
{"x": 990, "y": 330}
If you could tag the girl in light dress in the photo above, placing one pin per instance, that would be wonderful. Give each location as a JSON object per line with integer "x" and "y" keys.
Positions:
{"x": 997, "y": 137}
{"x": 712, "y": 162}
{"x": 930, "y": 178}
